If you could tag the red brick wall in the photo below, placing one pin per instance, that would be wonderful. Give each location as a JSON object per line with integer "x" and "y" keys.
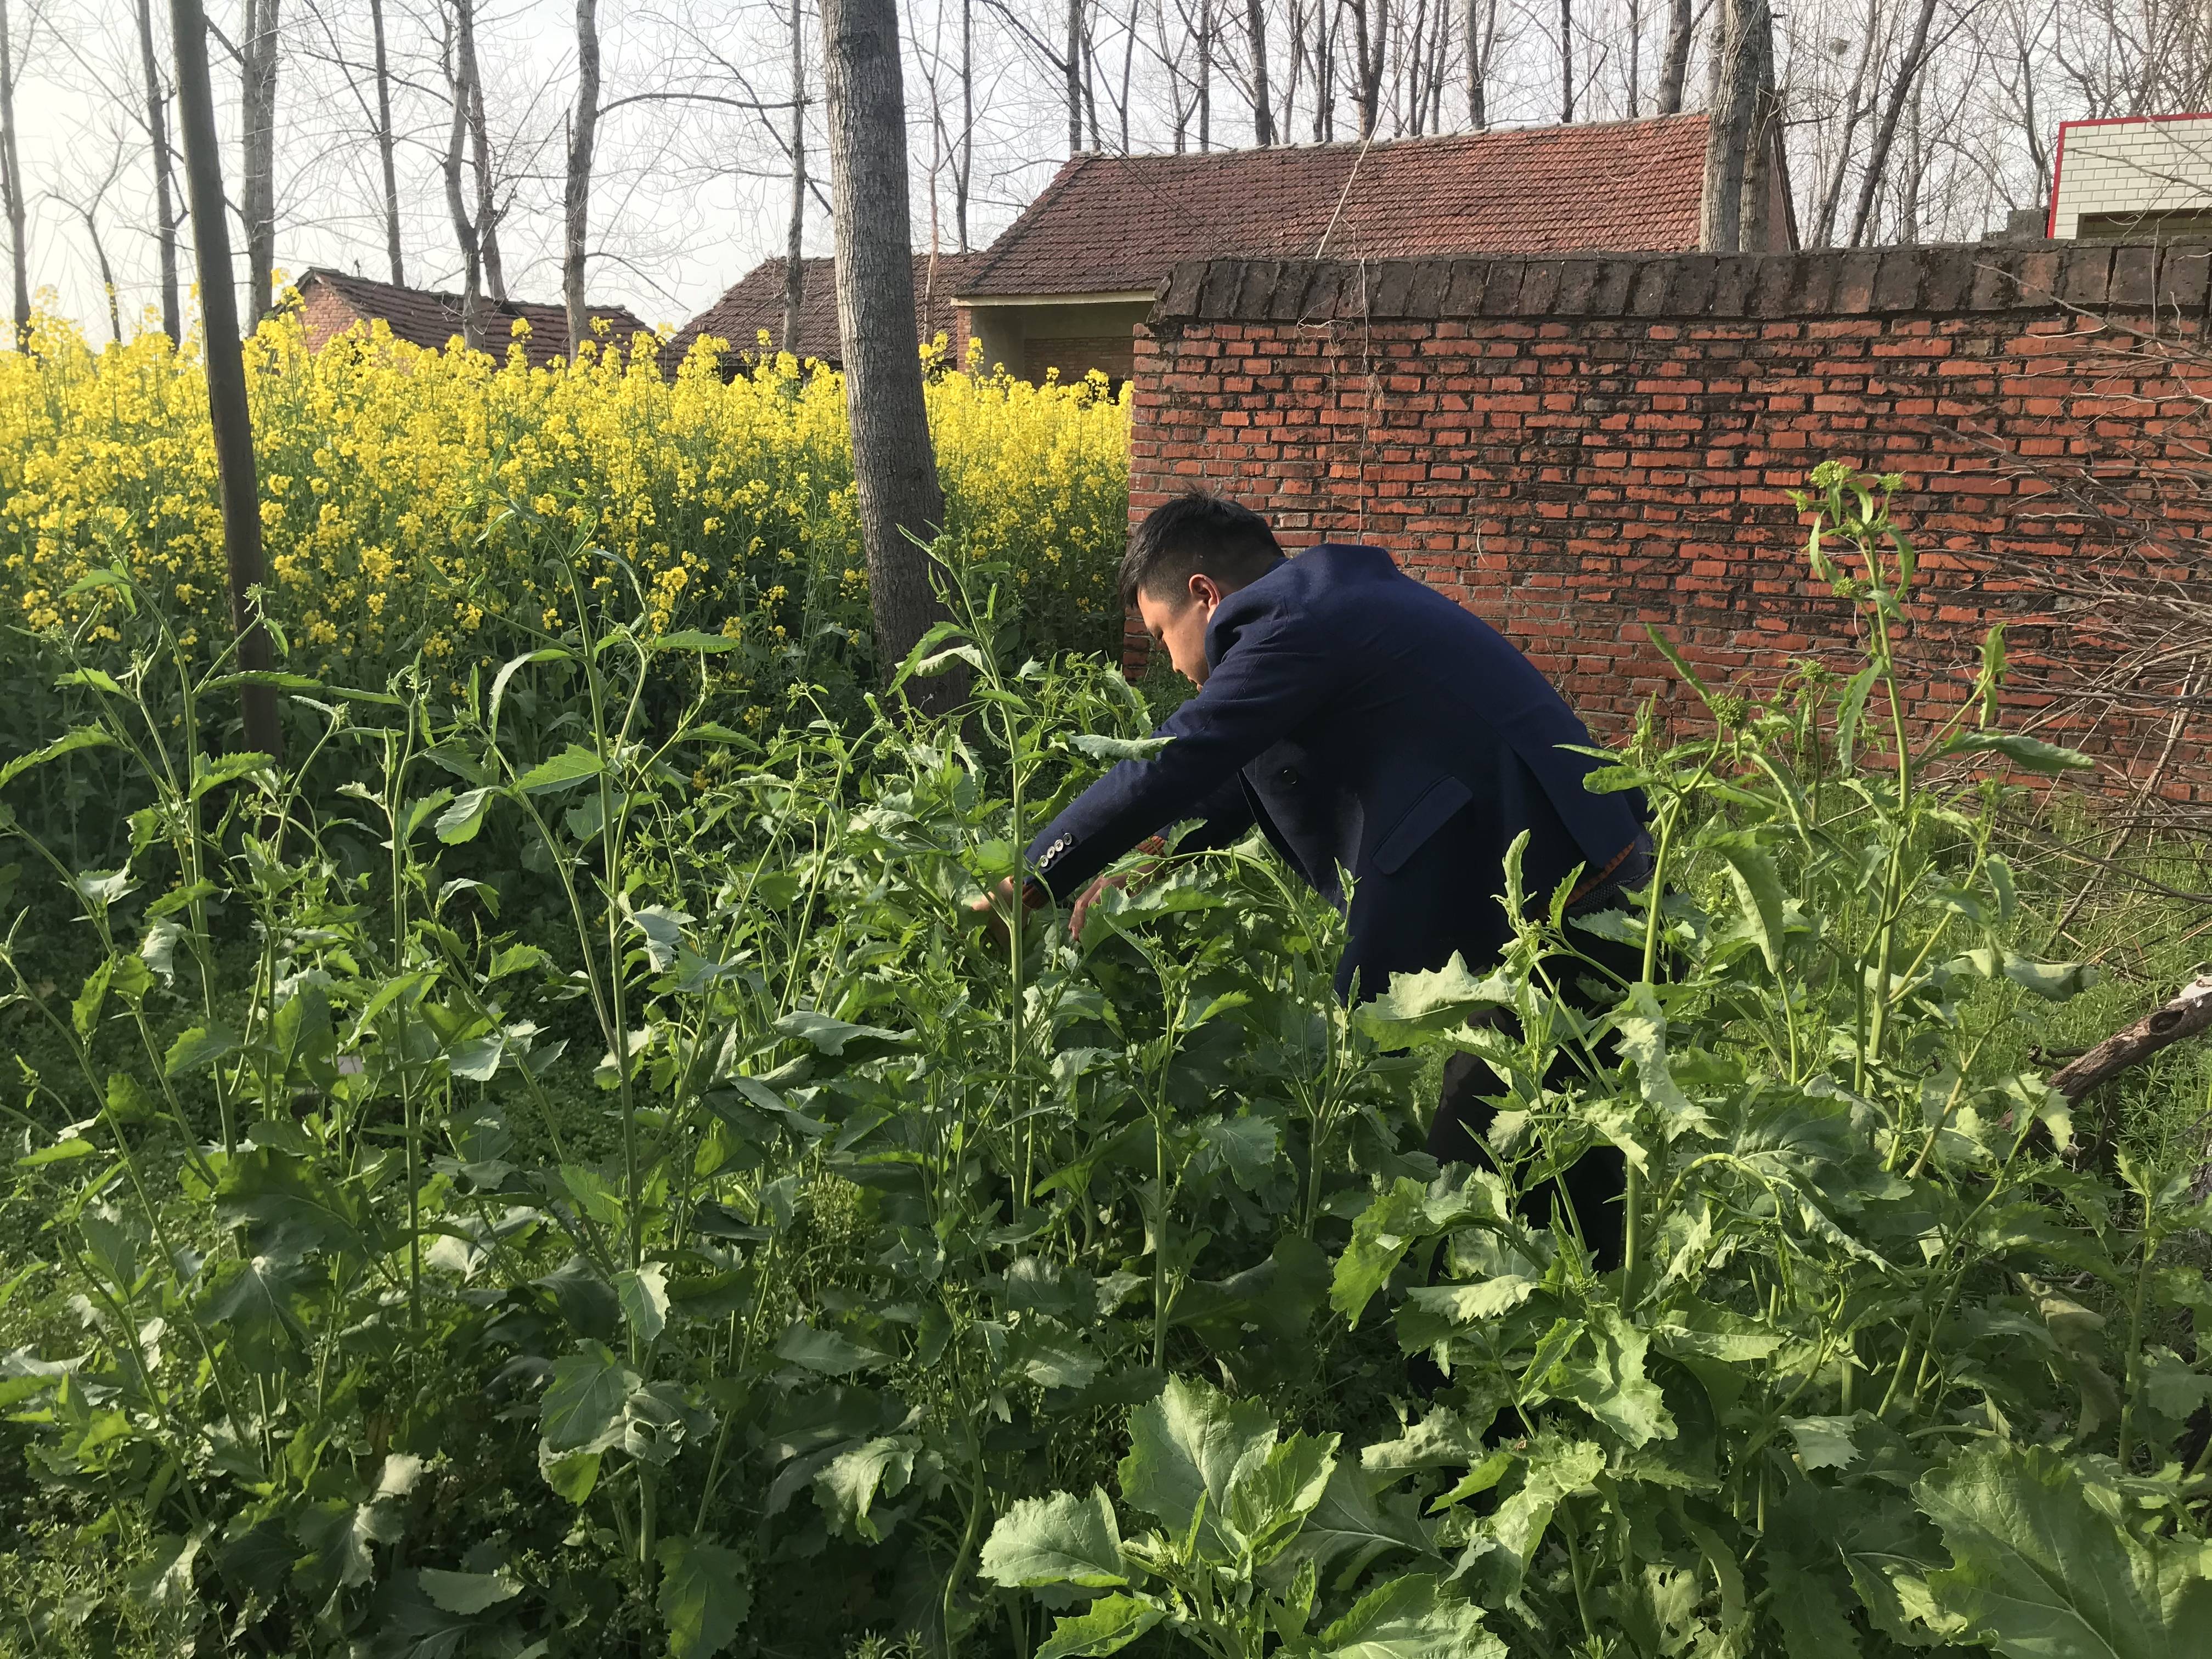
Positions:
{"x": 1575, "y": 448}
{"x": 323, "y": 313}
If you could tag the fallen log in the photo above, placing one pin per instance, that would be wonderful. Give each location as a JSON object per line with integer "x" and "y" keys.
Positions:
{"x": 2186, "y": 1015}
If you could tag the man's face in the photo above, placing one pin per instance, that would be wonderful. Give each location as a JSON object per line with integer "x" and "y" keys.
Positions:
{"x": 1177, "y": 620}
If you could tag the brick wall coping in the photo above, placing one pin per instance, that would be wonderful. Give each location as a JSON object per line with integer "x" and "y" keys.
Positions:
{"x": 1945, "y": 281}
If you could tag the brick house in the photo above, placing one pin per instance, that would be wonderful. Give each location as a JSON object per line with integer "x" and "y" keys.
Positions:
{"x": 331, "y": 302}
{"x": 755, "y": 305}
{"x": 2136, "y": 176}
{"x": 1068, "y": 284}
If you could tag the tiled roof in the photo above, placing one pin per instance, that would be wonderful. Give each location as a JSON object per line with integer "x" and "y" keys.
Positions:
{"x": 431, "y": 319}
{"x": 756, "y": 303}
{"x": 1116, "y": 223}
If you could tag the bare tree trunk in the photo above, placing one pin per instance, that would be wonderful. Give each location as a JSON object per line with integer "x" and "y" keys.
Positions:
{"x": 1091, "y": 85}
{"x": 494, "y": 275}
{"x": 1674, "y": 69}
{"x": 1635, "y": 59}
{"x": 1481, "y": 26}
{"x": 1566, "y": 60}
{"x": 795, "y": 262}
{"x": 1368, "y": 51}
{"x": 1128, "y": 63}
{"x": 894, "y": 468}
{"x": 454, "y": 160}
{"x": 386, "y": 147}
{"x": 226, "y": 371}
{"x": 1324, "y": 118}
{"x": 157, "y": 138}
{"x": 1073, "y": 65}
{"x": 1205, "y": 75}
{"x": 1747, "y": 45}
{"x": 576, "y": 191}
{"x": 1885, "y": 132}
{"x": 964, "y": 167}
{"x": 1755, "y": 230}
{"x": 11, "y": 186}
{"x": 258, "y": 116}
{"x": 1263, "y": 114}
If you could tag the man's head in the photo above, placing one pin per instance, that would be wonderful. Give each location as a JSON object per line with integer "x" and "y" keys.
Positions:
{"x": 1189, "y": 554}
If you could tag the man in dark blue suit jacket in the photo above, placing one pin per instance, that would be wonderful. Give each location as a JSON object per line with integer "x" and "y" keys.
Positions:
{"x": 1367, "y": 724}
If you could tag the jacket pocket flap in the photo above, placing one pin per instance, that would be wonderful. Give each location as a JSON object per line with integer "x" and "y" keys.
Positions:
{"x": 1423, "y": 819}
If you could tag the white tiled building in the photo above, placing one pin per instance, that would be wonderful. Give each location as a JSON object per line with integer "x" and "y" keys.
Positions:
{"x": 2136, "y": 176}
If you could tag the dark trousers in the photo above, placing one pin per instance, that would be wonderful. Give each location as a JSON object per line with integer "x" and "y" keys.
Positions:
{"x": 1595, "y": 1183}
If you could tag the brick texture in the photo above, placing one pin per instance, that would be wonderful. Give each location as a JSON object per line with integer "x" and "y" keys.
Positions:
{"x": 1579, "y": 448}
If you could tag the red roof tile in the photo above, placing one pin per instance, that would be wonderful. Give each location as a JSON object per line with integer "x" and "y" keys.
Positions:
{"x": 756, "y": 303}
{"x": 429, "y": 320}
{"x": 1116, "y": 223}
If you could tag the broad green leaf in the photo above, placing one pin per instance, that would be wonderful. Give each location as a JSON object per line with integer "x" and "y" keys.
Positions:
{"x": 468, "y": 1592}
{"x": 690, "y": 639}
{"x": 1247, "y": 1144}
{"x": 643, "y": 1295}
{"x": 1850, "y": 709}
{"x": 1110, "y": 1624}
{"x": 663, "y": 929}
{"x": 459, "y": 822}
{"x": 826, "y": 1352}
{"x": 2040, "y": 1572}
{"x": 227, "y": 769}
{"x": 830, "y": 1036}
{"x": 1380, "y": 1237}
{"x": 1098, "y": 747}
{"x": 1357, "y": 1521}
{"x": 582, "y": 1410}
{"x": 199, "y": 1045}
{"x": 1758, "y": 890}
{"x": 1556, "y": 1468}
{"x": 1269, "y": 1499}
{"x": 84, "y": 736}
{"x": 340, "y": 1537}
{"x": 1824, "y": 1442}
{"x": 164, "y": 1579}
{"x": 571, "y": 1475}
{"x": 290, "y": 1209}
{"x": 1433, "y": 1312}
{"x": 1060, "y": 1539}
{"x": 91, "y": 998}
{"x": 1607, "y": 1381}
{"x": 253, "y": 1301}
{"x": 62, "y": 1152}
{"x": 1443, "y": 1439}
{"x": 1407, "y": 1619}
{"x": 705, "y": 1591}
{"x": 1643, "y": 1040}
{"x": 1418, "y": 1006}
{"x": 2032, "y": 753}
{"x": 846, "y": 1488}
{"x": 568, "y": 767}
{"x": 1190, "y": 1443}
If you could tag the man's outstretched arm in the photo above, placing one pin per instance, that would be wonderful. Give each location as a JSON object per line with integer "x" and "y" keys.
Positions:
{"x": 1271, "y": 674}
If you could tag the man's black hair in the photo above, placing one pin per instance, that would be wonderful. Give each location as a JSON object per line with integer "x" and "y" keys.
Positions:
{"x": 1197, "y": 534}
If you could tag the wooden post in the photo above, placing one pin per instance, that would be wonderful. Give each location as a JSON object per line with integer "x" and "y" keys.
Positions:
{"x": 226, "y": 369}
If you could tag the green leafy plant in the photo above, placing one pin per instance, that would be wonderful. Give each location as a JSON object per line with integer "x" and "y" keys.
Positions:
{"x": 1251, "y": 1526}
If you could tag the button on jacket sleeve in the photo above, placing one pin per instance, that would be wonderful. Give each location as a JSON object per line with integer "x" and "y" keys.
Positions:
{"x": 1270, "y": 671}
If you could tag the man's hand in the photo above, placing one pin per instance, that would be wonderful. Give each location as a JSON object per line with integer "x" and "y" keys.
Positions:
{"x": 1091, "y": 895}
{"x": 994, "y": 905}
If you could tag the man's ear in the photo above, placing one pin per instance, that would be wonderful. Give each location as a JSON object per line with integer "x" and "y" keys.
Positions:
{"x": 1204, "y": 590}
